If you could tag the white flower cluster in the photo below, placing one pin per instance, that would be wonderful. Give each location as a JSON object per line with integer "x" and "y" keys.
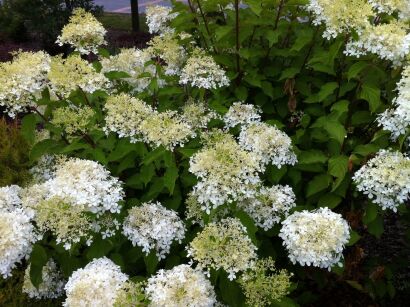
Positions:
{"x": 203, "y": 72}
{"x": 10, "y": 197}
{"x": 241, "y": 114}
{"x": 223, "y": 245}
{"x": 85, "y": 183}
{"x": 389, "y": 41}
{"x": 124, "y": 115}
{"x": 385, "y": 179}
{"x": 22, "y": 80}
{"x": 17, "y": 235}
{"x": 72, "y": 73}
{"x": 269, "y": 205}
{"x": 269, "y": 143}
{"x": 180, "y": 286}
{"x": 97, "y": 284}
{"x": 133, "y": 118}
{"x": 44, "y": 169}
{"x": 169, "y": 51}
{"x": 168, "y": 129}
{"x": 391, "y": 6}
{"x": 397, "y": 120}
{"x": 158, "y": 18}
{"x": 315, "y": 238}
{"x": 226, "y": 172}
{"x": 340, "y": 16}
{"x": 153, "y": 227}
{"x": 52, "y": 285}
{"x": 197, "y": 114}
{"x": 133, "y": 62}
{"x": 84, "y": 32}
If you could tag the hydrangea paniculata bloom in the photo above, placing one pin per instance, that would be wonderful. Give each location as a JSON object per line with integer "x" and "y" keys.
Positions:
{"x": 269, "y": 205}
{"x": 223, "y": 245}
{"x": 83, "y": 32}
{"x": 69, "y": 224}
{"x": 72, "y": 73}
{"x": 10, "y": 197}
{"x": 22, "y": 80}
{"x": 158, "y": 18}
{"x": 197, "y": 115}
{"x": 385, "y": 179}
{"x": 168, "y": 129}
{"x": 52, "y": 285}
{"x": 74, "y": 120}
{"x": 226, "y": 172}
{"x": 86, "y": 183}
{"x": 98, "y": 284}
{"x": 397, "y": 120}
{"x": 389, "y": 41}
{"x": 44, "y": 169}
{"x": 340, "y": 16}
{"x": 269, "y": 143}
{"x": 203, "y": 72}
{"x": 133, "y": 62}
{"x": 169, "y": 51}
{"x": 17, "y": 235}
{"x": 315, "y": 238}
{"x": 153, "y": 227}
{"x": 180, "y": 286}
{"x": 241, "y": 114}
{"x": 391, "y": 6}
{"x": 263, "y": 283}
{"x": 124, "y": 115}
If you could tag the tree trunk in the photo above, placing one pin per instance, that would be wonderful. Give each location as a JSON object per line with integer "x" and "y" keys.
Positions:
{"x": 135, "y": 16}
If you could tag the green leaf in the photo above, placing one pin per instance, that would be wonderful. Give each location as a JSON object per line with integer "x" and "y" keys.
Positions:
{"x": 151, "y": 262}
{"x": 153, "y": 155}
{"x": 43, "y": 147}
{"x": 335, "y": 130}
{"x": 354, "y": 237}
{"x": 146, "y": 173}
{"x": 170, "y": 176}
{"x": 318, "y": 184}
{"x": 329, "y": 200}
{"x": 289, "y": 73}
{"x": 99, "y": 248}
{"x": 371, "y": 94}
{"x": 325, "y": 91}
{"x": 255, "y": 6}
{"x": 304, "y": 36}
{"x": 376, "y": 227}
{"x": 338, "y": 166}
{"x": 28, "y": 127}
{"x": 123, "y": 148}
{"x": 38, "y": 260}
{"x": 365, "y": 150}
{"x": 356, "y": 69}
{"x": 370, "y": 214}
{"x": 272, "y": 36}
{"x": 311, "y": 156}
{"x": 222, "y": 31}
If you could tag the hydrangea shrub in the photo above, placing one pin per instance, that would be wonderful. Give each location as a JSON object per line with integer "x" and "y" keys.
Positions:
{"x": 248, "y": 142}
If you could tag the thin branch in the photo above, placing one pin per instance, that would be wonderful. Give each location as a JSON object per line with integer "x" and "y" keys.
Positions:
{"x": 206, "y": 25}
{"x": 238, "y": 47}
{"x": 197, "y": 23}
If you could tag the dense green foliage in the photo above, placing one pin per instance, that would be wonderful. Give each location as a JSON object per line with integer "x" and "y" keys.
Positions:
{"x": 326, "y": 102}
{"x": 14, "y": 159}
